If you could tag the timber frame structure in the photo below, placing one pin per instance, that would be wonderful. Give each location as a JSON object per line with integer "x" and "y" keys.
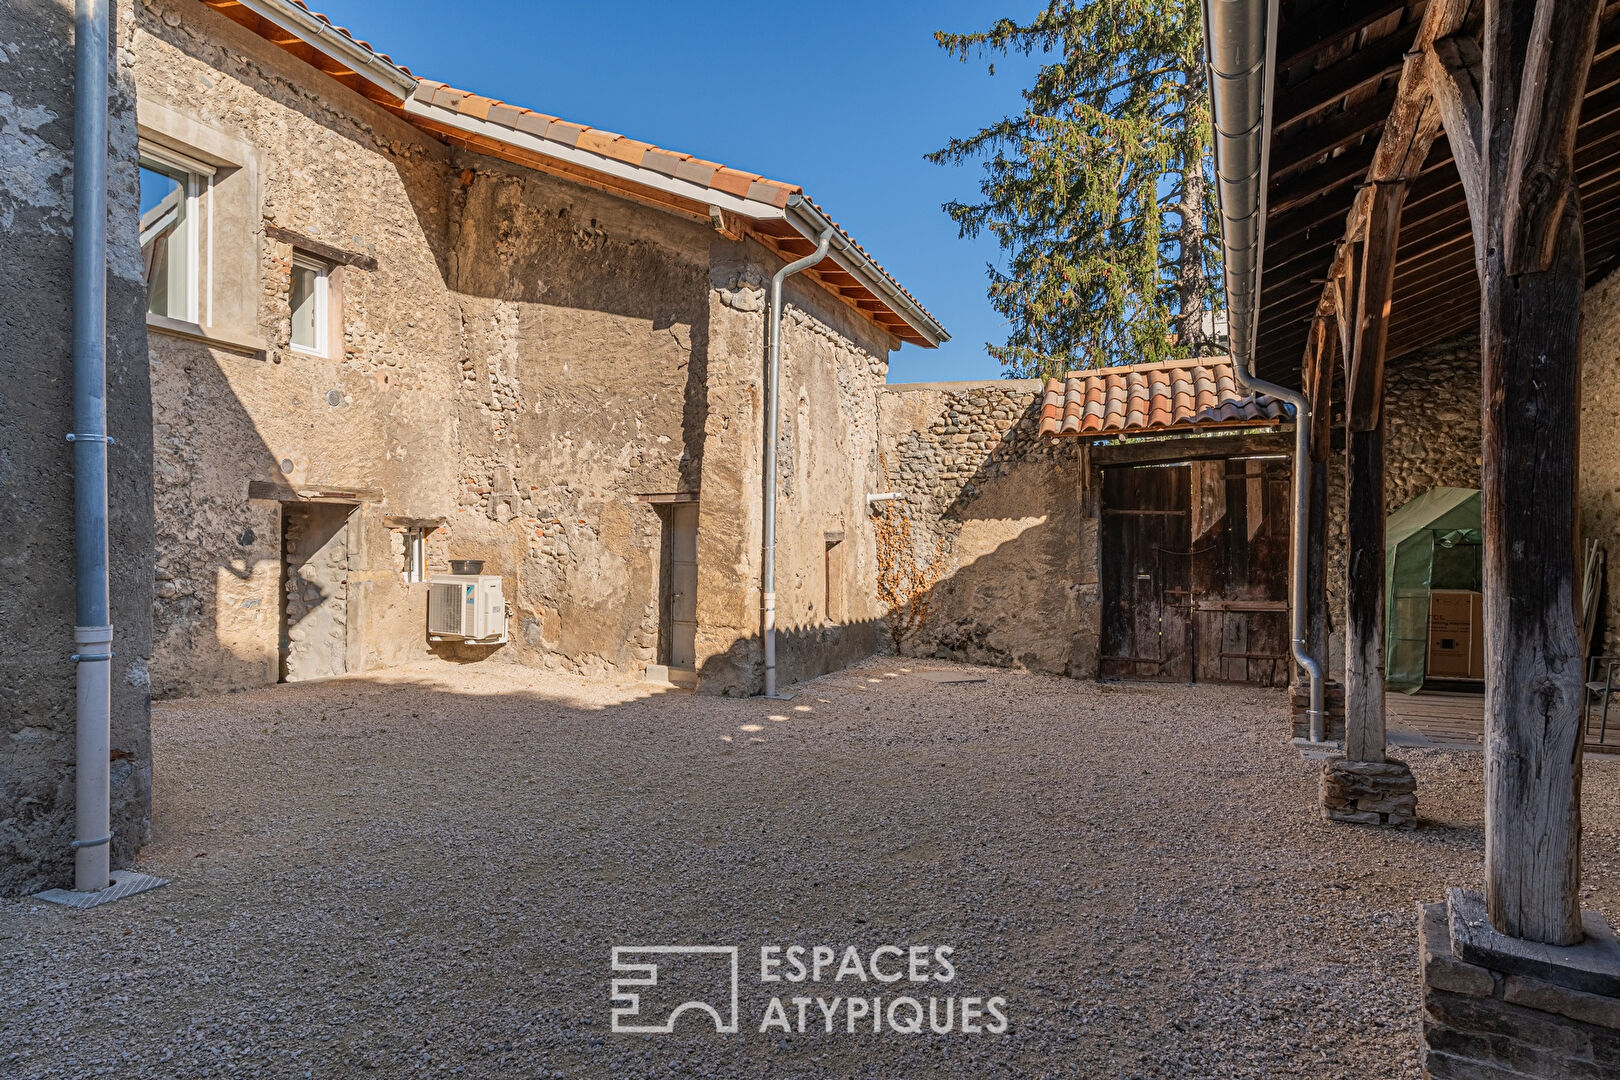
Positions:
{"x": 1433, "y": 166}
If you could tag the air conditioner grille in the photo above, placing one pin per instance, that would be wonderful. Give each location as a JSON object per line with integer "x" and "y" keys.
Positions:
{"x": 445, "y": 608}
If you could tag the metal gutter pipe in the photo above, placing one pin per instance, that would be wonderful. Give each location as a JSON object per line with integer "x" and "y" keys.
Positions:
{"x": 773, "y": 377}
{"x": 1240, "y": 48}
{"x": 92, "y": 630}
{"x": 810, "y": 222}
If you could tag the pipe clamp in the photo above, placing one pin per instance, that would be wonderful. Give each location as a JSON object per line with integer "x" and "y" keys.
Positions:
{"x": 92, "y": 843}
{"x": 75, "y": 437}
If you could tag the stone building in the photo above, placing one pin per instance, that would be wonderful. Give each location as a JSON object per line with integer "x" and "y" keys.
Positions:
{"x": 391, "y": 324}
{"x": 527, "y": 342}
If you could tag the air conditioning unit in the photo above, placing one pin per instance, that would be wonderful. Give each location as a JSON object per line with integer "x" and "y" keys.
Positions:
{"x": 466, "y": 607}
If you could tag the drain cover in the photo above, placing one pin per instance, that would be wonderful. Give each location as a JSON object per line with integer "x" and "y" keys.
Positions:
{"x": 124, "y": 883}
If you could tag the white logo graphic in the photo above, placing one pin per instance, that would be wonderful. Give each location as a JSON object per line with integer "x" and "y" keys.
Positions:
{"x": 627, "y": 1002}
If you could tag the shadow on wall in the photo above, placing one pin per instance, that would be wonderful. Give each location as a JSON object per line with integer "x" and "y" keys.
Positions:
{"x": 216, "y": 594}
{"x": 1020, "y": 588}
{"x": 563, "y": 330}
{"x": 802, "y": 653}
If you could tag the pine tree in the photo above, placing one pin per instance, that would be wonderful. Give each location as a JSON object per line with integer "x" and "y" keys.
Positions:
{"x": 1099, "y": 191}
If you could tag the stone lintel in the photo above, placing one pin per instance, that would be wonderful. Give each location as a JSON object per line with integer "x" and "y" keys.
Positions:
{"x": 1592, "y": 967}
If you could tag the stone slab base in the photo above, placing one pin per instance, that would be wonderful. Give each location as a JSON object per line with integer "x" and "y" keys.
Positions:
{"x": 1484, "y": 1022}
{"x": 1299, "y": 706}
{"x": 1369, "y": 793}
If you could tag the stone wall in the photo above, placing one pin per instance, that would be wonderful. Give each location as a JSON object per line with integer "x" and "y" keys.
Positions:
{"x": 1017, "y": 518}
{"x": 521, "y": 359}
{"x": 37, "y": 709}
{"x": 1432, "y": 423}
{"x": 833, "y": 367}
{"x": 1600, "y": 442}
{"x": 1431, "y": 432}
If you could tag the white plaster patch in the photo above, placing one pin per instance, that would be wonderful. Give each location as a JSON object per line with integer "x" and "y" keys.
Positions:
{"x": 33, "y": 173}
{"x": 138, "y": 675}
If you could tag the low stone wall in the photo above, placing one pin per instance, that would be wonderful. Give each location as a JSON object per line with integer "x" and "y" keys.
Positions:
{"x": 1016, "y": 518}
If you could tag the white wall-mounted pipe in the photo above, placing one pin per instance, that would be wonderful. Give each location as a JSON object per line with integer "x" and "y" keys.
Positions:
{"x": 884, "y": 496}
{"x": 773, "y": 376}
{"x": 1240, "y": 43}
{"x": 92, "y": 630}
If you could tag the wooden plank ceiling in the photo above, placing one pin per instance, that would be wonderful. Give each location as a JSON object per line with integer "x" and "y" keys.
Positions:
{"x": 1338, "y": 65}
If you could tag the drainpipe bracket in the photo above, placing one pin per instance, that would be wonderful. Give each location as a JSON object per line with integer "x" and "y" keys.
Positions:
{"x": 73, "y": 436}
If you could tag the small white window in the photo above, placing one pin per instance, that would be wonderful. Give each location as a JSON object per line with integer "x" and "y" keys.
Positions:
{"x": 308, "y": 302}
{"x": 415, "y": 555}
{"x": 171, "y": 231}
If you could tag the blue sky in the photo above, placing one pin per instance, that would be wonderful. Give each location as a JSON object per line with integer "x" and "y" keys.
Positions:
{"x": 841, "y": 96}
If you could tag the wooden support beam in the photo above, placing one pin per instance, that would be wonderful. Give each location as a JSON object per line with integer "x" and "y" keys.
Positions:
{"x": 1364, "y": 387}
{"x": 1517, "y": 159}
{"x": 1364, "y": 594}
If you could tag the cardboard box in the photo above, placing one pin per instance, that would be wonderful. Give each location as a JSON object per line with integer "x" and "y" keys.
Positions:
{"x": 1456, "y": 634}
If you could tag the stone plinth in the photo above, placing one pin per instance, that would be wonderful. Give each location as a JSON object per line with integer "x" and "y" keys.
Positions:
{"x": 1496, "y": 1008}
{"x": 1369, "y": 793}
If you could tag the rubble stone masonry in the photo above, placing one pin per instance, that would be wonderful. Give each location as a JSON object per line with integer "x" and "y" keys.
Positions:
{"x": 1017, "y": 516}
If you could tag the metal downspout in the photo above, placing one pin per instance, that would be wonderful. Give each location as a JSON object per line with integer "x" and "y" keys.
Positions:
{"x": 92, "y": 630}
{"x": 1239, "y": 61}
{"x": 772, "y": 378}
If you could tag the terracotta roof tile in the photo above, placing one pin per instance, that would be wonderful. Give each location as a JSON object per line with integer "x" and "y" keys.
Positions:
{"x": 684, "y": 167}
{"x": 733, "y": 182}
{"x": 561, "y": 131}
{"x": 1181, "y": 395}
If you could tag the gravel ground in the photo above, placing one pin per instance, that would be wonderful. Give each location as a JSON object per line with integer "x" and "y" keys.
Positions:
{"x": 424, "y": 873}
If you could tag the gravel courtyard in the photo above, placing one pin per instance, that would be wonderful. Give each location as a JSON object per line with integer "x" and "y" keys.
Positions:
{"x": 424, "y": 872}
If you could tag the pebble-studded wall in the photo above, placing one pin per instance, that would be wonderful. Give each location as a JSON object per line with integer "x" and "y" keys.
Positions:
{"x": 1017, "y": 522}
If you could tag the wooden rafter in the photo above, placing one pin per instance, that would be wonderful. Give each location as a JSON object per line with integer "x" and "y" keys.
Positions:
{"x": 1413, "y": 124}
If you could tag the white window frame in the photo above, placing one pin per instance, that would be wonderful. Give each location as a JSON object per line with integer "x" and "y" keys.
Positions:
{"x": 323, "y": 273}
{"x": 415, "y": 555}
{"x": 199, "y": 233}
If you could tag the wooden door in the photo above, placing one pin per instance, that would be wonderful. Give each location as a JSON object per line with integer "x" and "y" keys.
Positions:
{"x": 1146, "y": 527}
{"x": 683, "y": 520}
{"x": 1239, "y": 568}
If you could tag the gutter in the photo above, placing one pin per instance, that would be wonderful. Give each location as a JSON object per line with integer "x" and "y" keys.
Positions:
{"x": 772, "y": 420}
{"x": 388, "y": 77}
{"x": 92, "y": 621}
{"x": 808, "y": 219}
{"x": 1240, "y": 50}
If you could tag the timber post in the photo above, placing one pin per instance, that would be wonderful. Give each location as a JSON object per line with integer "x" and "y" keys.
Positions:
{"x": 1514, "y": 107}
{"x": 1511, "y": 111}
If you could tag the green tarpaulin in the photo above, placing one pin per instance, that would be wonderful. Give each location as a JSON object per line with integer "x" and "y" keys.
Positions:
{"x": 1430, "y": 543}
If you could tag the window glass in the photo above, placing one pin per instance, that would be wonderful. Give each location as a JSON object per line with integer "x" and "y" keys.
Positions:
{"x": 308, "y": 302}
{"x": 167, "y": 249}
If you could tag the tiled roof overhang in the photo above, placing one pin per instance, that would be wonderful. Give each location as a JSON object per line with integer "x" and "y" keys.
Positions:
{"x": 1154, "y": 399}
{"x": 779, "y": 215}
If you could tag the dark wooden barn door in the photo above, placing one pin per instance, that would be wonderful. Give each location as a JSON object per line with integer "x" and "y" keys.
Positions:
{"x": 1146, "y": 525}
{"x": 1240, "y": 571}
{"x": 1194, "y": 568}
